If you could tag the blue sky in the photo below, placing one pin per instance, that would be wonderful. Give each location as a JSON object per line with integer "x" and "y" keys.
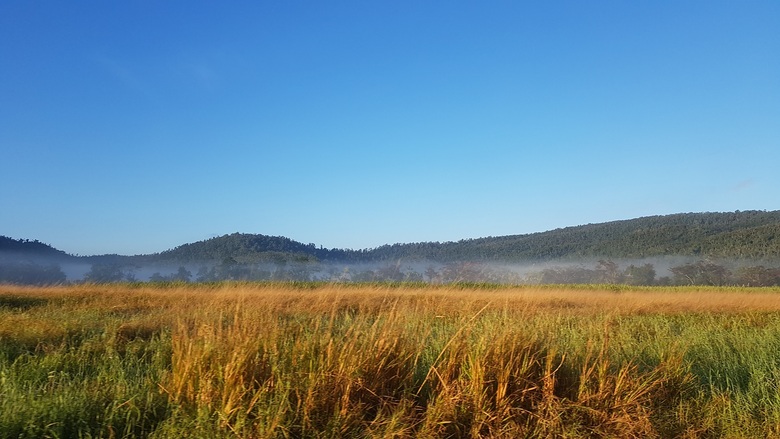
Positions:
{"x": 133, "y": 127}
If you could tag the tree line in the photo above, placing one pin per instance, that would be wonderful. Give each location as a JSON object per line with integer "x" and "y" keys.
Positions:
{"x": 704, "y": 272}
{"x": 747, "y": 234}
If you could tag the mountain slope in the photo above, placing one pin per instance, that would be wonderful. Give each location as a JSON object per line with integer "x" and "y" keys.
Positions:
{"x": 749, "y": 234}
{"x": 248, "y": 248}
{"x": 27, "y": 249}
{"x": 752, "y": 234}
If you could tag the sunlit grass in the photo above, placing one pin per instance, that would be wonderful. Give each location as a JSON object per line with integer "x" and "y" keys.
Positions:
{"x": 377, "y": 360}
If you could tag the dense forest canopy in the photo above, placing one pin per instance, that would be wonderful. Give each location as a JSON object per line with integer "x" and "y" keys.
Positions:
{"x": 21, "y": 248}
{"x": 750, "y": 234}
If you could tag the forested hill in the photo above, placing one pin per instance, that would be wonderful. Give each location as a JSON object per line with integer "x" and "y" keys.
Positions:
{"x": 25, "y": 248}
{"x": 244, "y": 247}
{"x": 750, "y": 234}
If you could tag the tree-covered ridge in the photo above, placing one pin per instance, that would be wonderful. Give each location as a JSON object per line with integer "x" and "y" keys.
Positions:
{"x": 754, "y": 242}
{"x": 249, "y": 248}
{"x": 748, "y": 234}
{"x": 29, "y": 248}
{"x": 23, "y": 261}
{"x": 751, "y": 234}
{"x": 740, "y": 248}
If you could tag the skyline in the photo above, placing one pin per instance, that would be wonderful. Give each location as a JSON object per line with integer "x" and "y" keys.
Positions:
{"x": 135, "y": 128}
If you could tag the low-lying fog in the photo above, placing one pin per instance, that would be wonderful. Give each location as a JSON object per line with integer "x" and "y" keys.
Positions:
{"x": 648, "y": 271}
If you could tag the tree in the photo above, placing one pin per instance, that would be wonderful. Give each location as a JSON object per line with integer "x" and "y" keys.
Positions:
{"x": 700, "y": 273}
{"x": 758, "y": 276}
{"x": 28, "y": 273}
{"x": 391, "y": 272}
{"x": 608, "y": 272}
{"x": 432, "y": 275}
{"x": 230, "y": 269}
{"x": 104, "y": 273}
{"x": 644, "y": 275}
{"x": 182, "y": 275}
{"x": 569, "y": 275}
{"x": 206, "y": 274}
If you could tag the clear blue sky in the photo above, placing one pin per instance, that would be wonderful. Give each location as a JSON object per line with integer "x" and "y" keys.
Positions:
{"x": 135, "y": 126}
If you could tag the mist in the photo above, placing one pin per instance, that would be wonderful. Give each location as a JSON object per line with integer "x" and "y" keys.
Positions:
{"x": 670, "y": 270}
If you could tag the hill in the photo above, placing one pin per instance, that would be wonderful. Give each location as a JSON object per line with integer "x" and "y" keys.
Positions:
{"x": 745, "y": 235}
{"x": 27, "y": 249}
{"x": 749, "y": 234}
{"x": 30, "y": 262}
{"x": 246, "y": 248}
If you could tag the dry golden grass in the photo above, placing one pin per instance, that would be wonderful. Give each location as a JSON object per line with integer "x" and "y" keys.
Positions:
{"x": 445, "y": 300}
{"x": 334, "y": 360}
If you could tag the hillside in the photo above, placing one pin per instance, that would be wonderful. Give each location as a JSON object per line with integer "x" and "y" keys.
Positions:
{"x": 30, "y": 262}
{"x": 745, "y": 246}
{"x": 750, "y": 234}
{"x": 27, "y": 249}
{"x": 244, "y": 247}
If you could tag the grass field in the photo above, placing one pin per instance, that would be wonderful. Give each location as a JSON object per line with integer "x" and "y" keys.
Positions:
{"x": 372, "y": 360}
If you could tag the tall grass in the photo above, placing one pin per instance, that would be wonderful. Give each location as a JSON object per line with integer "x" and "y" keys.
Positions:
{"x": 324, "y": 360}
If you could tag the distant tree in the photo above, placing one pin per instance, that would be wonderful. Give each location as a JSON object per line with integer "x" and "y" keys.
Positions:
{"x": 206, "y": 274}
{"x": 280, "y": 270}
{"x": 230, "y": 269}
{"x": 432, "y": 275}
{"x": 28, "y": 273}
{"x": 757, "y": 276}
{"x": 391, "y": 272}
{"x": 52, "y": 274}
{"x": 334, "y": 273}
{"x": 464, "y": 272}
{"x": 644, "y": 275}
{"x": 569, "y": 275}
{"x": 104, "y": 273}
{"x": 700, "y": 273}
{"x": 182, "y": 275}
{"x": 608, "y": 272}
{"x": 364, "y": 276}
{"x": 297, "y": 271}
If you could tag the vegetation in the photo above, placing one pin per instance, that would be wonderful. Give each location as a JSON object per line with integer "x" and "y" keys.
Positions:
{"x": 248, "y": 248}
{"x": 26, "y": 247}
{"x": 739, "y": 248}
{"x": 28, "y": 273}
{"x": 746, "y": 235}
{"x": 306, "y": 360}
{"x": 749, "y": 234}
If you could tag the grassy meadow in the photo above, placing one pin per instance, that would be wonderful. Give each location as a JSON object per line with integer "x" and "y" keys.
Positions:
{"x": 253, "y": 360}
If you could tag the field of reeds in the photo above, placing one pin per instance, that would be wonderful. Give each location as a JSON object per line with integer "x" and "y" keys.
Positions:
{"x": 378, "y": 361}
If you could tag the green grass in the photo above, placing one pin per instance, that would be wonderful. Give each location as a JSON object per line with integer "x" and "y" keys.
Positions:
{"x": 326, "y": 361}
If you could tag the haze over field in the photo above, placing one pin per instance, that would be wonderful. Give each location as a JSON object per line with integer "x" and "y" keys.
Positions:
{"x": 135, "y": 127}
